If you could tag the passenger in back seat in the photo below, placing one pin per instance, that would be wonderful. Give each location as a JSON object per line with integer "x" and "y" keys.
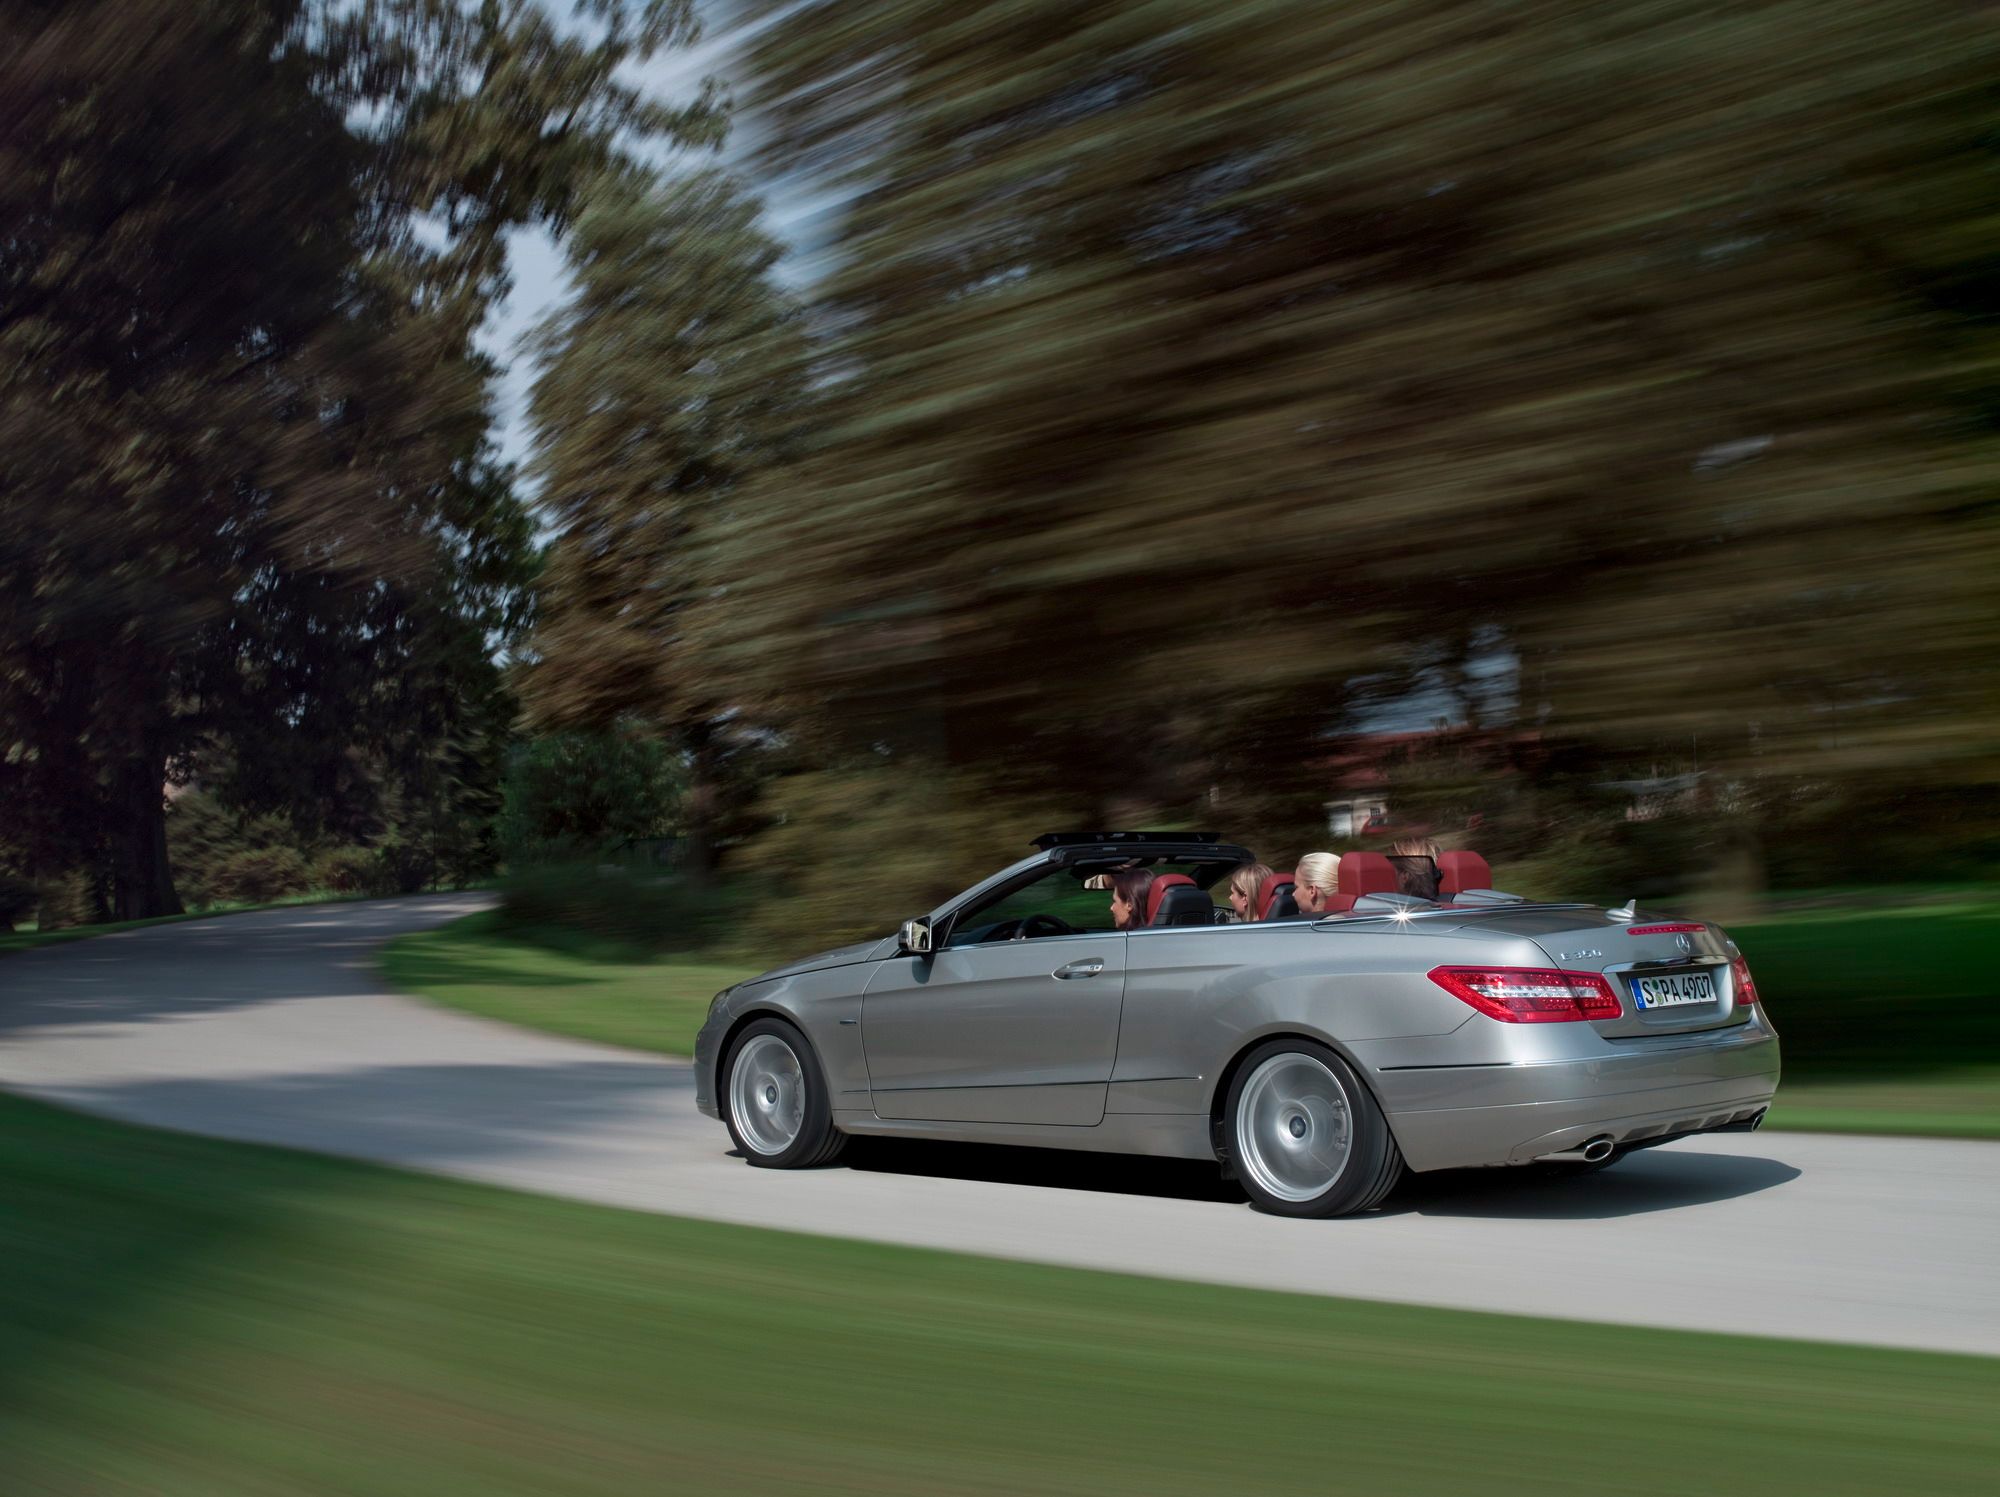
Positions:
{"x": 1243, "y": 886}
{"x": 1415, "y": 860}
{"x": 1315, "y": 880}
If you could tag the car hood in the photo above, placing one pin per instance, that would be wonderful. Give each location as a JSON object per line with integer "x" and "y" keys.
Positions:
{"x": 840, "y": 956}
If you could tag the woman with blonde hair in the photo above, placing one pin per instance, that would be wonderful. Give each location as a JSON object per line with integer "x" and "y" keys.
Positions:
{"x": 1316, "y": 880}
{"x": 1416, "y": 863}
{"x": 1244, "y": 885}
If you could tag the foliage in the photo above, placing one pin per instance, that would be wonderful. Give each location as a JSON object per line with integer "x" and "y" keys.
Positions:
{"x": 244, "y": 497}
{"x": 253, "y": 875}
{"x": 634, "y": 909}
{"x": 661, "y": 392}
{"x": 584, "y": 792}
{"x": 344, "y": 870}
{"x": 653, "y": 406}
{"x": 1192, "y": 377}
{"x": 858, "y": 849}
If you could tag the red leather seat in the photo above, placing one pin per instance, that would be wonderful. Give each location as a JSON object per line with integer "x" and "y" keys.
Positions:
{"x": 1459, "y": 871}
{"x": 1360, "y": 873}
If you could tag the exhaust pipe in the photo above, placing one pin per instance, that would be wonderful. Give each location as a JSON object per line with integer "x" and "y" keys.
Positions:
{"x": 1595, "y": 1151}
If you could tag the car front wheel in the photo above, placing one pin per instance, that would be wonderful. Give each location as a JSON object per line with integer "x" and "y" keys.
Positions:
{"x": 1306, "y": 1137}
{"x": 777, "y": 1108}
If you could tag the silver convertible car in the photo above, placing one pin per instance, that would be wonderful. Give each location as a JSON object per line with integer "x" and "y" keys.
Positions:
{"x": 1316, "y": 1058}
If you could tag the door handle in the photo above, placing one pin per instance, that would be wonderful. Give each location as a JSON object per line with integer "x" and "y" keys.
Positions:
{"x": 1088, "y": 967}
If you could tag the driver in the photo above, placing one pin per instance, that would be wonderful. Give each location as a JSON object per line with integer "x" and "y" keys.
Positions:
{"x": 1129, "y": 888}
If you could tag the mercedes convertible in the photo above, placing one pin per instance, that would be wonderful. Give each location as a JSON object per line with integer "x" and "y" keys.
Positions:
{"x": 1314, "y": 1057}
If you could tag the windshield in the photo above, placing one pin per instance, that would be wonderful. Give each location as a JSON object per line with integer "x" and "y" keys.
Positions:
{"x": 1062, "y": 901}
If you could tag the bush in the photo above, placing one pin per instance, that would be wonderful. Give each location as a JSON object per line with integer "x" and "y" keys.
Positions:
{"x": 860, "y": 850}
{"x": 79, "y": 897}
{"x": 18, "y": 898}
{"x": 570, "y": 794}
{"x": 256, "y": 874}
{"x": 633, "y": 907}
{"x": 402, "y": 867}
{"x": 347, "y": 870}
{"x": 205, "y": 841}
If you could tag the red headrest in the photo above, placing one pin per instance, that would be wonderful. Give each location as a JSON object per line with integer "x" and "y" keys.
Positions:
{"x": 1458, "y": 871}
{"x": 1366, "y": 873}
{"x": 1158, "y": 892}
{"x": 1269, "y": 892}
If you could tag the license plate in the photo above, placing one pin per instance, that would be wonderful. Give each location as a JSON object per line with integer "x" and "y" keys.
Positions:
{"x": 1671, "y": 992}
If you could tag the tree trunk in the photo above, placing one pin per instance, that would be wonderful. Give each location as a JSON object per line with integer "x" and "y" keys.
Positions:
{"x": 698, "y": 805}
{"x": 142, "y": 883}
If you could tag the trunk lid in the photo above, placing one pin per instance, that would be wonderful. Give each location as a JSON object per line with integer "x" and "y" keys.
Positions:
{"x": 1672, "y": 976}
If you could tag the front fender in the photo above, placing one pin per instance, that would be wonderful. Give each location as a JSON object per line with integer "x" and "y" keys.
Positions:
{"x": 824, "y": 1005}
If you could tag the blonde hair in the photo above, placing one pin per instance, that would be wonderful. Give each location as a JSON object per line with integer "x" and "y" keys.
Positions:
{"x": 1320, "y": 869}
{"x": 1247, "y": 880}
{"x": 1413, "y": 877}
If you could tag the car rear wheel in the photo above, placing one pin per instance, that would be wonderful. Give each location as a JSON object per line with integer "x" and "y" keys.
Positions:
{"x": 1304, "y": 1134}
{"x": 777, "y": 1110}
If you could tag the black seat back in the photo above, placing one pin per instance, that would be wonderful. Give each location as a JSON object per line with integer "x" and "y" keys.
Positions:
{"x": 1184, "y": 904}
{"x": 1274, "y": 898}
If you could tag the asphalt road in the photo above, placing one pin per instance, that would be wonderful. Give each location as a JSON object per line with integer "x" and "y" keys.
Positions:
{"x": 273, "y": 1027}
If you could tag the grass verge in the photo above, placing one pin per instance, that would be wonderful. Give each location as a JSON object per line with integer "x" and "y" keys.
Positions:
{"x": 564, "y": 982}
{"x": 28, "y": 940}
{"x": 1886, "y": 1014}
{"x": 1962, "y": 1103}
{"x": 186, "y": 1316}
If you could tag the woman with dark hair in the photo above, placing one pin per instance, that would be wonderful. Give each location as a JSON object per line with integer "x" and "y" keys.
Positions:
{"x": 1129, "y": 888}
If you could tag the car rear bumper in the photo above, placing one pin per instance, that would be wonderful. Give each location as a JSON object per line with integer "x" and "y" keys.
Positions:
{"x": 1460, "y": 1116}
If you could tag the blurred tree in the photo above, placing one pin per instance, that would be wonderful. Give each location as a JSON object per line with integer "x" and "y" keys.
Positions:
{"x": 243, "y": 249}
{"x": 573, "y": 795}
{"x": 1188, "y": 364}
{"x": 664, "y": 387}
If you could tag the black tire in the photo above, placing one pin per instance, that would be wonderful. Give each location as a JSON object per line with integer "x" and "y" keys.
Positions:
{"x": 816, "y": 1141}
{"x": 1372, "y": 1164}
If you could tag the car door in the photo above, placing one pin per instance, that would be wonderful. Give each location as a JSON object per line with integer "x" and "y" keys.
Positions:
{"x": 1003, "y": 1032}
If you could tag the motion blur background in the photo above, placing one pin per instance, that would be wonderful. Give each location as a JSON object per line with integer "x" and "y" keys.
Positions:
{"x": 731, "y": 473}
{"x": 1567, "y": 431}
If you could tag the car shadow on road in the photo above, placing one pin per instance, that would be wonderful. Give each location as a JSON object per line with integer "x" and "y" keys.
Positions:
{"x": 1050, "y": 1169}
{"x": 1652, "y": 1180}
{"x": 1664, "y": 1179}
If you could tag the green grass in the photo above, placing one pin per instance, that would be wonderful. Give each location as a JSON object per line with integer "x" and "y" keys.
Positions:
{"x": 27, "y": 940}
{"x": 180, "y": 1316}
{"x": 1888, "y": 1015}
{"x": 559, "y": 981}
{"x": 1964, "y": 1103}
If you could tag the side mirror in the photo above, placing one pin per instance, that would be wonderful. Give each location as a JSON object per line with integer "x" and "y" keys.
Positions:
{"x": 915, "y": 939}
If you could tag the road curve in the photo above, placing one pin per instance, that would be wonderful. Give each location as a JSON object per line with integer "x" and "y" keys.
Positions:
{"x": 274, "y": 1027}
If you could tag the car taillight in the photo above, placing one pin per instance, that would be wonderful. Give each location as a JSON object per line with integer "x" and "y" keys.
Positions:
{"x": 1745, "y": 984}
{"x": 1530, "y": 995}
